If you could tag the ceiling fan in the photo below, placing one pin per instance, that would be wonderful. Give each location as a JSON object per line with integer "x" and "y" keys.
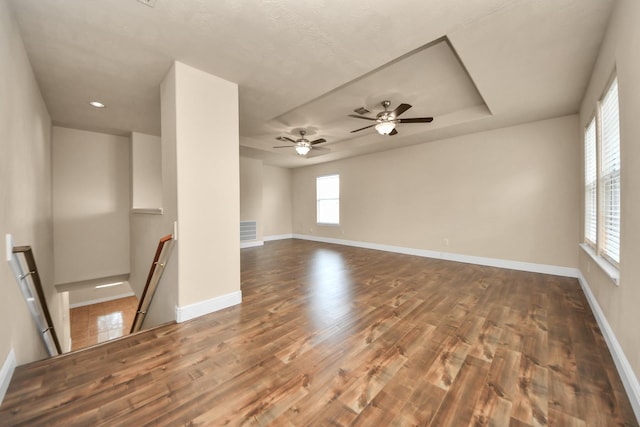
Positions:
{"x": 386, "y": 120}
{"x": 302, "y": 145}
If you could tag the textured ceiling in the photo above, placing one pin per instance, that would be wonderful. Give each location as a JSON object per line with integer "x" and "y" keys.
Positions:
{"x": 473, "y": 65}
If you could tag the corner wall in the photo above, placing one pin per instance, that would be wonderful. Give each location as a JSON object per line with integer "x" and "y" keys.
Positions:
{"x": 277, "y": 203}
{"x": 509, "y": 194}
{"x": 619, "y": 304}
{"x": 25, "y": 193}
{"x": 91, "y": 178}
{"x": 251, "y": 178}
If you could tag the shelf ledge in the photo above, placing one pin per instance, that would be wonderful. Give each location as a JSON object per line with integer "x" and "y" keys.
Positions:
{"x": 147, "y": 211}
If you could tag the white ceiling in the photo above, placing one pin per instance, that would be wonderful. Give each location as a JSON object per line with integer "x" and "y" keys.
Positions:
{"x": 472, "y": 65}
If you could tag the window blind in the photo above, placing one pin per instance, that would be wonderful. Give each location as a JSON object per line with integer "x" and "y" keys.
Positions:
{"x": 590, "y": 184}
{"x": 610, "y": 173}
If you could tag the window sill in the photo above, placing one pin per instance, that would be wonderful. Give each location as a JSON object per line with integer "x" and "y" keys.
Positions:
{"x": 605, "y": 266}
{"x": 327, "y": 224}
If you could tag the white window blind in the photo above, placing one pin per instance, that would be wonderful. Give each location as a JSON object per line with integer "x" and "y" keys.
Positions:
{"x": 328, "y": 199}
{"x": 610, "y": 173}
{"x": 590, "y": 184}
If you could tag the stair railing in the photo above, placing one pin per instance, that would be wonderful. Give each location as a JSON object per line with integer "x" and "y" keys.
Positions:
{"x": 26, "y": 274}
{"x": 155, "y": 273}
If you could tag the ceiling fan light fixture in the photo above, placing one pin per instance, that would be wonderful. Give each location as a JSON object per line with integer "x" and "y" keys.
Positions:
{"x": 302, "y": 150}
{"x": 385, "y": 128}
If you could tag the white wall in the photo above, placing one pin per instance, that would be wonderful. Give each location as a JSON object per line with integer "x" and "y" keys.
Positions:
{"x": 619, "y": 52}
{"x": 146, "y": 171}
{"x": 251, "y": 192}
{"x": 25, "y": 192}
{"x": 276, "y": 201}
{"x": 509, "y": 194}
{"x": 90, "y": 204}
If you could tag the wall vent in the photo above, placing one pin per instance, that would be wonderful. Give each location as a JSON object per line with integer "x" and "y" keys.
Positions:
{"x": 248, "y": 230}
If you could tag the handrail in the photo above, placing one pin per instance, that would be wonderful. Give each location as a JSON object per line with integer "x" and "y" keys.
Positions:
{"x": 38, "y": 307}
{"x": 160, "y": 259}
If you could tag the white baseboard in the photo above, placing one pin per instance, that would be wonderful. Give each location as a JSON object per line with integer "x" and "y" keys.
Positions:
{"x": 251, "y": 244}
{"x": 468, "y": 259}
{"x": 629, "y": 378}
{"x": 201, "y": 308}
{"x": 6, "y": 372}
{"x": 278, "y": 237}
{"x": 99, "y": 300}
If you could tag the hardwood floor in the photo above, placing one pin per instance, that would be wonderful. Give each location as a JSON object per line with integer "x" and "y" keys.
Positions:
{"x": 333, "y": 335}
{"x": 96, "y": 323}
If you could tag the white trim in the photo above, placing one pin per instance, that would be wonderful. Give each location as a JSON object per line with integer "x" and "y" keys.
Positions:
{"x": 605, "y": 266}
{"x": 468, "y": 259}
{"x": 629, "y": 378}
{"x": 99, "y": 300}
{"x": 277, "y": 237}
{"x": 251, "y": 244}
{"x": 6, "y": 373}
{"x": 201, "y": 308}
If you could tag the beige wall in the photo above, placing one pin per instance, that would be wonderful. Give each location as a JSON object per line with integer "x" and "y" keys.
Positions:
{"x": 510, "y": 194}
{"x": 25, "y": 192}
{"x": 276, "y": 201}
{"x": 149, "y": 188}
{"x": 146, "y": 230}
{"x": 146, "y": 171}
{"x": 251, "y": 176}
{"x": 90, "y": 295}
{"x": 90, "y": 204}
{"x": 620, "y": 51}
{"x": 208, "y": 188}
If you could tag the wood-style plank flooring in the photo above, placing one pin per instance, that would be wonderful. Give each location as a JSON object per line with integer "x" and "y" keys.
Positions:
{"x": 333, "y": 335}
{"x": 96, "y": 323}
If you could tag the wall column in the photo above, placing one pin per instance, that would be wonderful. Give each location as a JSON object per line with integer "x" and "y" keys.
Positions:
{"x": 204, "y": 130}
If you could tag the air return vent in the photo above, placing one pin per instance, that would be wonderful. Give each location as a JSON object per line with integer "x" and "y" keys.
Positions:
{"x": 361, "y": 110}
{"x": 248, "y": 230}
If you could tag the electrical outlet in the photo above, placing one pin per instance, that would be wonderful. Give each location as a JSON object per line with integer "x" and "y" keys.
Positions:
{"x": 445, "y": 241}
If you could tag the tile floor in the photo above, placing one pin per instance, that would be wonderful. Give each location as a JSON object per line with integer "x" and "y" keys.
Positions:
{"x": 96, "y": 323}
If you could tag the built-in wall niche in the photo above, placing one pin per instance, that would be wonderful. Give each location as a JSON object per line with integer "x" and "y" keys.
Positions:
{"x": 146, "y": 174}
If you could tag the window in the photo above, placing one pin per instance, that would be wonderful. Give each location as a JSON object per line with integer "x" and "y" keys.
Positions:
{"x": 602, "y": 178}
{"x": 328, "y": 199}
{"x": 590, "y": 184}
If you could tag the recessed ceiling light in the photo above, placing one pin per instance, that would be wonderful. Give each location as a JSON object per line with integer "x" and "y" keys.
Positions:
{"x": 97, "y": 104}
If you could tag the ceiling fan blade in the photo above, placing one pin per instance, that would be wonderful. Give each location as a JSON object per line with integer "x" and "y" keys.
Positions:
{"x": 361, "y": 117}
{"x": 284, "y": 138}
{"x": 366, "y": 127}
{"x": 416, "y": 120}
{"x": 284, "y": 146}
{"x": 393, "y": 132}
{"x": 400, "y": 109}
{"x": 318, "y": 141}
{"x": 320, "y": 149}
